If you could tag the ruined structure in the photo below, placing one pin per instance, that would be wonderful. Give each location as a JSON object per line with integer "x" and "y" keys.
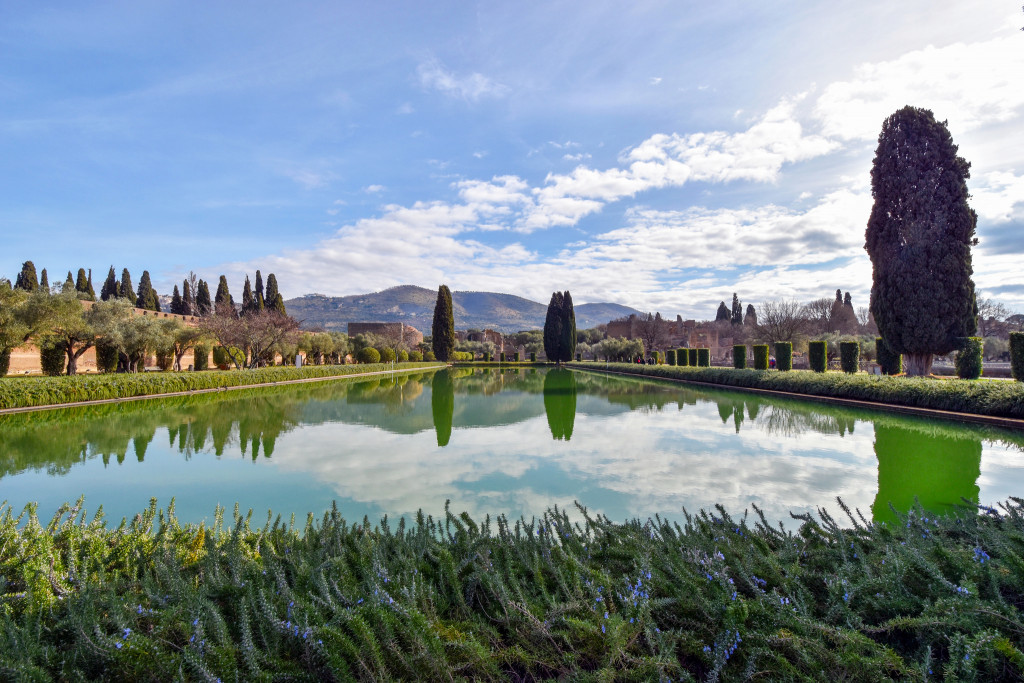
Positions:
{"x": 398, "y": 332}
{"x": 671, "y": 334}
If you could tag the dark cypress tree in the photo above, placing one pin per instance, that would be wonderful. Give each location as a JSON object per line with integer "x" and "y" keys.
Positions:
{"x": 919, "y": 238}
{"x": 203, "y": 304}
{"x": 442, "y": 405}
{"x": 848, "y": 301}
{"x": 44, "y": 280}
{"x": 223, "y": 303}
{"x": 82, "y": 283}
{"x": 751, "y": 316}
{"x": 443, "y": 330}
{"x": 560, "y": 403}
{"x": 737, "y": 310}
{"x": 109, "y": 289}
{"x": 723, "y": 313}
{"x": 27, "y": 279}
{"x": 90, "y": 290}
{"x": 260, "y": 299}
{"x": 273, "y": 297}
{"x": 188, "y": 303}
{"x": 567, "y": 343}
{"x": 553, "y": 327}
{"x": 177, "y": 305}
{"x": 248, "y": 300}
{"x": 125, "y": 289}
{"x": 146, "y": 297}
{"x": 69, "y": 284}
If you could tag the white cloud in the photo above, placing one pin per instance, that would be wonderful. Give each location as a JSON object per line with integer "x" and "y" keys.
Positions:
{"x": 471, "y": 87}
{"x": 373, "y": 189}
{"x": 998, "y": 195}
{"x": 404, "y": 109}
{"x": 655, "y": 80}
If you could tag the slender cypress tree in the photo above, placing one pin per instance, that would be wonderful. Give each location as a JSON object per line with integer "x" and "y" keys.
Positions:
{"x": 125, "y": 290}
{"x": 109, "y": 289}
{"x": 260, "y": 299}
{"x": 737, "y": 310}
{"x": 147, "y": 297}
{"x": 223, "y": 304}
{"x": 188, "y": 303}
{"x": 44, "y": 280}
{"x": 177, "y": 305}
{"x": 203, "y": 304}
{"x": 248, "y": 300}
{"x": 567, "y": 350}
{"x": 273, "y": 297}
{"x": 723, "y": 313}
{"x": 751, "y": 316}
{"x": 553, "y": 322}
{"x": 90, "y": 290}
{"x": 27, "y": 279}
{"x": 69, "y": 284}
{"x": 443, "y": 331}
{"x": 919, "y": 238}
{"x": 82, "y": 282}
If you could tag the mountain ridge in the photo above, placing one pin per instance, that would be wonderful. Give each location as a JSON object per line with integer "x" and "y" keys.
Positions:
{"x": 414, "y": 305}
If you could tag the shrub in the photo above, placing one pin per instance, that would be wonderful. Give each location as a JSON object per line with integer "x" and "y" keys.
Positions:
{"x": 784, "y": 356}
{"x": 200, "y": 357}
{"x": 1017, "y": 355}
{"x": 739, "y": 356}
{"x": 222, "y": 358}
{"x": 670, "y": 357}
{"x": 849, "y": 356}
{"x": 429, "y": 356}
{"x": 691, "y": 355}
{"x": 368, "y": 354}
{"x": 402, "y": 356}
{"x": 106, "y": 357}
{"x": 703, "y": 358}
{"x": 817, "y": 355}
{"x": 760, "y": 356}
{"x": 533, "y": 356}
{"x": 968, "y": 359}
{"x": 52, "y": 358}
{"x": 164, "y": 360}
{"x": 415, "y": 356}
{"x": 890, "y": 362}
{"x": 387, "y": 355}
{"x": 682, "y": 357}
{"x": 5, "y": 362}
{"x": 516, "y": 357}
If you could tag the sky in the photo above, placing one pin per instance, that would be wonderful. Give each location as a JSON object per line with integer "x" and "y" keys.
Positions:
{"x": 661, "y": 155}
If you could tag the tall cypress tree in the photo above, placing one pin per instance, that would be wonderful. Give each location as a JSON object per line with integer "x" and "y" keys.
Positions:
{"x": 90, "y": 290}
{"x": 737, "y": 310}
{"x": 125, "y": 290}
{"x": 27, "y": 279}
{"x": 443, "y": 330}
{"x": 69, "y": 284}
{"x": 203, "y": 304}
{"x": 223, "y": 304}
{"x": 260, "y": 299}
{"x": 567, "y": 350}
{"x": 273, "y": 296}
{"x": 188, "y": 303}
{"x": 177, "y": 306}
{"x": 82, "y": 283}
{"x": 109, "y": 289}
{"x": 147, "y": 297}
{"x": 723, "y": 313}
{"x": 248, "y": 300}
{"x": 44, "y": 280}
{"x": 553, "y": 322}
{"x": 919, "y": 237}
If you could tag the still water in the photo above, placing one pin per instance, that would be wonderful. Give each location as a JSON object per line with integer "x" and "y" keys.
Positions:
{"x": 513, "y": 442}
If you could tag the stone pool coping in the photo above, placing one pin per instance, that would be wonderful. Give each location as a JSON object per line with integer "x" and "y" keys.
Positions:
{"x": 951, "y": 415}
{"x": 194, "y": 392}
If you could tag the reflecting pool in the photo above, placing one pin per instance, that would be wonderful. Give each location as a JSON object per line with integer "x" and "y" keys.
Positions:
{"x": 493, "y": 441}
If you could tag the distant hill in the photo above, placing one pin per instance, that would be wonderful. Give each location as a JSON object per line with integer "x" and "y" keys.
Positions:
{"x": 415, "y": 306}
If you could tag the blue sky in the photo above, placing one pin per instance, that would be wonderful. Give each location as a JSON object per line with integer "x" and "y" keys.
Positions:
{"x": 661, "y": 155}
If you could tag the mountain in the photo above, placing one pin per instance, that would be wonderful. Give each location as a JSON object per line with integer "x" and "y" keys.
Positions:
{"x": 415, "y": 306}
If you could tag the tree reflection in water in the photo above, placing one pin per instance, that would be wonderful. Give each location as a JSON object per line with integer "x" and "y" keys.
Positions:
{"x": 560, "y": 402}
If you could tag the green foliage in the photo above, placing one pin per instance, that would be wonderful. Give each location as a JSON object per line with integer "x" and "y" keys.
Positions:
{"x": 919, "y": 238}
{"x": 670, "y": 357}
{"x": 691, "y": 357}
{"x": 368, "y": 354}
{"x": 682, "y": 357}
{"x": 402, "y": 356}
{"x": 849, "y": 356}
{"x": 124, "y": 288}
{"x": 415, "y": 356}
{"x": 106, "y": 356}
{"x": 387, "y": 354}
{"x": 560, "y": 597}
{"x": 146, "y": 297}
{"x": 722, "y": 314}
{"x": 27, "y": 279}
{"x": 784, "y": 356}
{"x": 968, "y": 360}
{"x": 224, "y": 358}
{"x": 5, "y": 361}
{"x": 703, "y": 358}
{"x": 890, "y": 362}
{"x": 560, "y": 328}
{"x": 515, "y": 356}
{"x": 442, "y": 338}
{"x": 760, "y": 356}
{"x": 817, "y": 355}
{"x": 200, "y": 357}
{"x": 533, "y": 356}
{"x": 428, "y": 356}
{"x": 164, "y": 360}
{"x": 52, "y": 357}
{"x": 739, "y": 356}
{"x": 273, "y": 297}
{"x": 1017, "y": 355}
{"x": 502, "y": 357}
{"x": 204, "y": 306}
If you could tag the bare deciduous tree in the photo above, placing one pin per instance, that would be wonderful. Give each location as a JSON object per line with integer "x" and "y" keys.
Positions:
{"x": 781, "y": 321}
{"x": 257, "y": 334}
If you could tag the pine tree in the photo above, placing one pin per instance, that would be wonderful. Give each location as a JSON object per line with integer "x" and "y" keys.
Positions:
{"x": 443, "y": 330}
{"x": 260, "y": 299}
{"x": 223, "y": 304}
{"x": 109, "y": 289}
{"x": 125, "y": 290}
{"x": 27, "y": 279}
{"x": 919, "y": 238}
{"x": 147, "y": 297}
{"x": 248, "y": 300}
{"x": 273, "y": 296}
{"x": 177, "y": 305}
{"x": 203, "y": 304}
{"x": 737, "y": 310}
{"x": 44, "y": 280}
{"x": 188, "y": 303}
{"x": 723, "y": 313}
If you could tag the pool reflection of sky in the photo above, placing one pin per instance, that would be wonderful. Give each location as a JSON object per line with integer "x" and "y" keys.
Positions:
{"x": 633, "y": 450}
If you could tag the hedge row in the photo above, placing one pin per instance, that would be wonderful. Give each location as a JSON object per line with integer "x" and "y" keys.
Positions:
{"x": 708, "y": 598}
{"x": 43, "y": 391}
{"x": 998, "y": 399}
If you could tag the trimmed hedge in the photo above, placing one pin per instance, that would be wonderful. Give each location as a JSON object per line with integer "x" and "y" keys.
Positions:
{"x": 968, "y": 360}
{"x": 533, "y": 356}
{"x": 670, "y": 357}
{"x": 200, "y": 357}
{"x": 760, "y": 356}
{"x": 683, "y": 357}
{"x": 704, "y": 358}
{"x": 849, "y": 356}
{"x": 368, "y": 354}
{"x": 691, "y": 355}
{"x": 515, "y": 356}
{"x": 817, "y": 355}
{"x": 784, "y": 356}
{"x": 44, "y": 391}
{"x": 1017, "y": 355}
{"x": 502, "y": 356}
{"x": 890, "y": 362}
{"x": 739, "y": 356}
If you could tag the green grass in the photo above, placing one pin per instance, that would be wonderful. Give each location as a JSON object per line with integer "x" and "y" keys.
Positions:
{"x": 997, "y": 399}
{"x": 46, "y": 391}
{"x": 712, "y": 598}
